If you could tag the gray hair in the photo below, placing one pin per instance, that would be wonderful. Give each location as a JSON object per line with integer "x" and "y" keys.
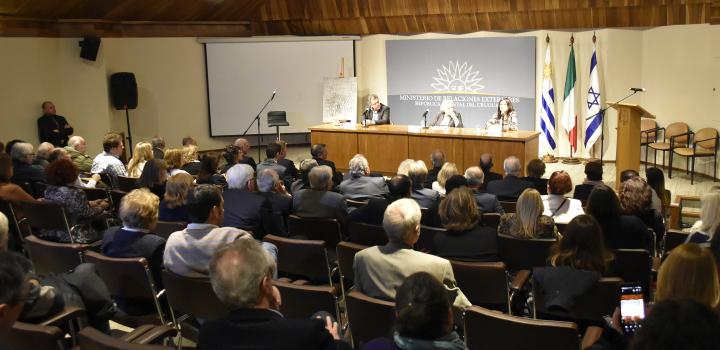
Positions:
{"x": 401, "y": 219}
{"x": 266, "y": 179}
{"x": 237, "y": 271}
{"x": 75, "y": 140}
{"x": 320, "y": 177}
{"x": 359, "y": 166}
{"x": 20, "y": 150}
{"x": 418, "y": 173}
{"x": 308, "y": 164}
{"x": 512, "y": 166}
{"x": 437, "y": 158}
{"x": 404, "y": 167}
{"x": 372, "y": 97}
{"x": 475, "y": 176}
{"x": 240, "y": 142}
{"x": 238, "y": 176}
{"x": 139, "y": 209}
{"x": 44, "y": 149}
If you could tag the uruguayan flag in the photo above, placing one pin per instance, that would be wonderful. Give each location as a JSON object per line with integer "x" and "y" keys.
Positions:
{"x": 594, "y": 125}
{"x": 547, "y": 107}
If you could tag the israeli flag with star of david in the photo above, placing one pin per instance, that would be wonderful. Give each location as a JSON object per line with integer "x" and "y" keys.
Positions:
{"x": 594, "y": 125}
{"x": 547, "y": 107}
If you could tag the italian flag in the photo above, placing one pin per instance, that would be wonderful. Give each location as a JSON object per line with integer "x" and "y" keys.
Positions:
{"x": 569, "y": 117}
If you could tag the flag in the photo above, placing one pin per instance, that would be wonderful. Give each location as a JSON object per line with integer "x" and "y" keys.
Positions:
{"x": 547, "y": 110}
{"x": 569, "y": 118}
{"x": 594, "y": 125}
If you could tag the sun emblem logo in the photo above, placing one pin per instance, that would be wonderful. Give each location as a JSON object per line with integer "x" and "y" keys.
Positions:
{"x": 456, "y": 77}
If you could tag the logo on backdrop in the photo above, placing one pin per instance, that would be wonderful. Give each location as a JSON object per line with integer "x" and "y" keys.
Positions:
{"x": 457, "y": 78}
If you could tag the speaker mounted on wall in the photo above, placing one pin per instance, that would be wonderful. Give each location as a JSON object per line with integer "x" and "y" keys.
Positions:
{"x": 123, "y": 90}
{"x": 89, "y": 47}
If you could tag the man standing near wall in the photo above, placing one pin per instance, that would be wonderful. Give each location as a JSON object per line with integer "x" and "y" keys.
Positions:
{"x": 53, "y": 128}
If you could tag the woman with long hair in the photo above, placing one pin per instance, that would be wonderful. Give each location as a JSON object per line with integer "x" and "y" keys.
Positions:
{"x": 705, "y": 229}
{"x": 661, "y": 196}
{"x": 689, "y": 272}
{"x": 620, "y": 231}
{"x": 447, "y": 171}
{"x": 635, "y": 197}
{"x": 505, "y": 116}
{"x": 172, "y": 206}
{"x": 582, "y": 247}
{"x": 153, "y": 177}
{"x": 175, "y": 161}
{"x": 528, "y": 221}
{"x": 466, "y": 238}
{"x": 141, "y": 154}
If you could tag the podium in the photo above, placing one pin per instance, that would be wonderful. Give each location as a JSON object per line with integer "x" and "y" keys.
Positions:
{"x": 628, "y": 137}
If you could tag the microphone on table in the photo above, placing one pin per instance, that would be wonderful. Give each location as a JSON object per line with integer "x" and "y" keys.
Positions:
{"x": 425, "y": 118}
{"x": 638, "y": 89}
{"x": 365, "y": 115}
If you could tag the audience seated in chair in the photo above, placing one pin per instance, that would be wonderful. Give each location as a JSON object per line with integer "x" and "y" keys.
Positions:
{"x": 290, "y": 168}
{"x": 154, "y": 177}
{"x": 372, "y": 213}
{"x": 557, "y": 206}
{"x": 76, "y": 148}
{"x": 425, "y": 319}
{"x": 319, "y": 201}
{"x": 535, "y": 169}
{"x": 61, "y": 153}
{"x": 510, "y": 187}
{"x": 380, "y": 270}
{"x": 486, "y": 202}
{"x": 175, "y": 161}
{"x": 678, "y": 324}
{"x": 593, "y": 177}
{"x": 437, "y": 159}
{"x": 636, "y": 199}
{"x": 61, "y": 176}
{"x": 707, "y": 227}
{"x": 244, "y": 149}
{"x": 14, "y": 292}
{"x": 207, "y": 175}
{"x": 231, "y": 154}
{"x": 319, "y": 152}
{"x": 188, "y": 252}
{"x": 404, "y": 167}
{"x": 191, "y": 160}
{"x": 689, "y": 272}
{"x": 486, "y": 164}
{"x": 135, "y": 239}
{"x": 447, "y": 171}
{"x": 241, "y": 275}
{"x": 242, "y": 205}
{"x": 661, "y": 196}
{"x": 23, "y": 169}
{"x": 425, "y": 197}
{"x": 361, "y": 186}
{"x": 173, "y": 205}
{"x": 271, "y": 162}
{"x": 528, "y": 220}
{"x": 466, "y": 238}
{"x": 619, "y": 231}
{"x": 42, "y": 154}
{"x": 273, "y": 190}
{"x": 158, "y": 147}
{"x": 9, "y": 191}
{"x": 108, "y": 162}
{"x": 141, "y": 154}
{"x": 303, "y": 182}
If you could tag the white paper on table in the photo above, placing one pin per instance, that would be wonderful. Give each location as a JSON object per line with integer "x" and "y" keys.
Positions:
{"x": 494, "y": 130}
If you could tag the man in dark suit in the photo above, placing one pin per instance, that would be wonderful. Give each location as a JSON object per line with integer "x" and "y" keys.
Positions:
{"x": 241, "y": 275}
{"x": 242, "y": 206}
{"x": 593, "y": 177}
{"x": 158, "y": 147}
{"x": 273, "y": 190}
{"x": 376, "y": 113}
{"x": 372, "y": 213}
{"x": 53, "y": 128}
{"x": 487, "y": 202}
{"x": 427, "y": 198}
{"x": 437, "y": 158}
{"x": 318, "y": 201}
{"x": 535, "y": 170}
{"x": 244, "y": 147}
{"x": 360, "y": 186}
{"x": 486, "y": 164}
{"x": 509, "y": 188}
{"x": 291, "y": 171}
{"x": 319, "y": 152}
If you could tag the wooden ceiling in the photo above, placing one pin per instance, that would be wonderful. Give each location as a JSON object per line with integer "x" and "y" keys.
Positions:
{"x": 119, "y": 18}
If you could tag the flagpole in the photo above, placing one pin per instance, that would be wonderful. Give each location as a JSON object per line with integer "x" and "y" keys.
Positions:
{"x": 548, "y": 157}
{"x": 572, "y": 159}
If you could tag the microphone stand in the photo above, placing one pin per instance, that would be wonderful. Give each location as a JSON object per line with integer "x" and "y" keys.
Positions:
{"x": 257, "y": 118}
{"x": 425, "y": 126}
{"x": 602, "y": 121}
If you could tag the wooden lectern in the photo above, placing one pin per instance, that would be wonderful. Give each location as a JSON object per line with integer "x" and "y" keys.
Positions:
{"x": 628, "y": 137}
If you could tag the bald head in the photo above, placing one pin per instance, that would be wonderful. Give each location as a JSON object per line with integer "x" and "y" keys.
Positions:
{"x": 44, "y": 149}
{"x": 486, "y": 161}
{"x": 78, "y": 143}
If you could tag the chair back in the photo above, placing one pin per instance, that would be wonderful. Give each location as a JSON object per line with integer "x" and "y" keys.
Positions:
{"x": 491, "y": 330}
{"x": 165, "y": 228}
{"x": 706, "y": 138}
{"x": 32, "y": 336}
{"x": 346, "y": 257}
{"x": 108, "y": 180}
{"x": 634, "y": 265}
{"x": 483, "y": 284}
{"x": 369, "y": 318}
{"x": 46, "y": 215}
{"x": 491, "y": 220}
{"x": 524, "y": 254}
{"x": 303, "y": 301}
{"x": 327, "y": 230}
{"x": 15, "y": 234}
{"x": 116, "y": 198}
{"x": 426, "y": 242}
{"x": 277, "y": 118}
{"x": 273, "y": 223}
{"x": 53, "y": 257}
{"x": 39, "y": 189}
{"x": 301, "y": 258}
{"x": 647, "y": 124}
{"x": 672, "y": 239}
{"x": 677, "y": 129}
{"x": 93, "y": 194}
{"x": 127, "y": 278}
{"x": 192, "y": 296}
{"x": 126, "y": 184}
{"x": 351, "y": 203}
{"x": 600, "y": 300}
{"x": 366, "y": 234}
{"x": 509, "y": 207}
{"x": 92, "y": 339}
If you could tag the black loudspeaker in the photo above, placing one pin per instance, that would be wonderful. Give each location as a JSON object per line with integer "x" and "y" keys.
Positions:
{"x": 123, "y": 90}
{"x": 89, "y": 47}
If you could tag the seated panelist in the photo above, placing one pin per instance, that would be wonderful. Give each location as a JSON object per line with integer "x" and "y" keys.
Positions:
{"x": 448, "y": 116}
{"x": 504, "y": 116}
{"x": 376, "y": 113}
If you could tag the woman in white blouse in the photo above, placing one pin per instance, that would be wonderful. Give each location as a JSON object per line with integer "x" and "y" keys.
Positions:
{"x": 505, "y": 116}
{"x": 562, "y": 209}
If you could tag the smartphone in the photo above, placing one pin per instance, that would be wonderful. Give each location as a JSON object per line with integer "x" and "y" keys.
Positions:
{"x": 632, "y": 307}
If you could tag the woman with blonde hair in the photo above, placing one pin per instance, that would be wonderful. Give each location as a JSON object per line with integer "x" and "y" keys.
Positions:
{"x": 404, "y": 167}
{"x": 142, "y": 153}
{"x": 528, "y": 220}
{"x": 704, "y": 230}
{"x": 689, "y": 272}
{"x": 172, "y": 206}
{"x": 466, "y": 238}
{"x": 447, "y": 171}
{"x": 191, "y": 160}
{"x": 174, "y": 161}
